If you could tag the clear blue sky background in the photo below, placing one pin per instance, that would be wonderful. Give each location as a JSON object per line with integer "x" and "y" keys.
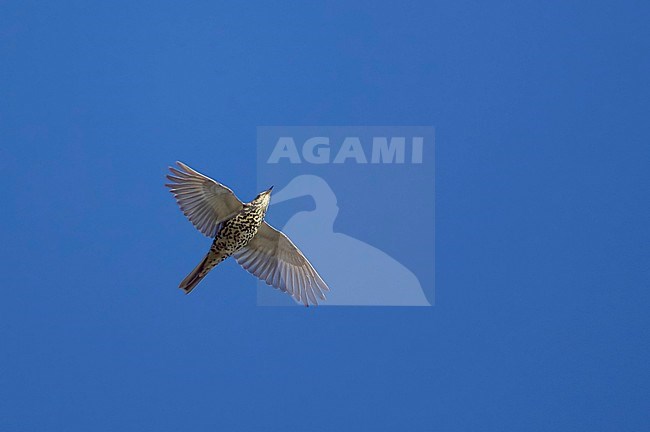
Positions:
{"x": 541, "y": 116}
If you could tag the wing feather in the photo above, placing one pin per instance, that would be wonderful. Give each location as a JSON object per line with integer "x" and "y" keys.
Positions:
{"x": 206, "y": 202}
{"x": 273, "y": 258}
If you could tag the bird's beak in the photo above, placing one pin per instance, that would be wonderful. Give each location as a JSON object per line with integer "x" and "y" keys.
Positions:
{"x": 269, "y": 189}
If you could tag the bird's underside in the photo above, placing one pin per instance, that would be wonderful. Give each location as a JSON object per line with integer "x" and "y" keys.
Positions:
{"x": 239, "y": 230}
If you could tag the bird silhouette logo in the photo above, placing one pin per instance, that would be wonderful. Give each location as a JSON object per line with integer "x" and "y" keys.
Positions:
{"x": 360, "y": 203}
{"x": 363, "y": 274}
{"x": 239, "y": 230}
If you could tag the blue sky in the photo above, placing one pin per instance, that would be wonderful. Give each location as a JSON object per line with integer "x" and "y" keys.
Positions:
{"x": 542, "y": 237}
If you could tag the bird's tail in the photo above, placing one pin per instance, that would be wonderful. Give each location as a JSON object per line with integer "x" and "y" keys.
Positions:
{"x": 200, "y": 271}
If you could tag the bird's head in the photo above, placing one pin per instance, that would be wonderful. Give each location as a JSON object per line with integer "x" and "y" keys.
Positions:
{"x": 264, "y": 197}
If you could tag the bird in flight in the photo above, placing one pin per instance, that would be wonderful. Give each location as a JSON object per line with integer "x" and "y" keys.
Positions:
{"x": 239, "y": 230}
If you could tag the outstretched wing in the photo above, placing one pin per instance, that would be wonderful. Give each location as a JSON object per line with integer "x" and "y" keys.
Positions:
{"x": 205, "y": 202}
{"x": 272, "y": 257}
